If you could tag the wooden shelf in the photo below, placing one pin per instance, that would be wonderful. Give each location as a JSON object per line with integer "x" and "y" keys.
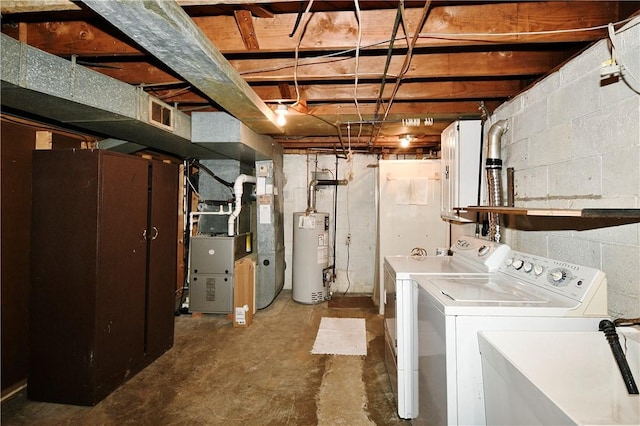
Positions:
{"x": 609, "y": 213}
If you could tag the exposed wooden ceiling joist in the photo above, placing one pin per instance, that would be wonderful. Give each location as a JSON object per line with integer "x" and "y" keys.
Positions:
{"x": 467, "y": 53}
{"x": 332, "y": 31}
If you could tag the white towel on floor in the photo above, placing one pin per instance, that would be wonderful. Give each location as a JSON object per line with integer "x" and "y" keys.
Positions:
{"x": 341, "y": 336}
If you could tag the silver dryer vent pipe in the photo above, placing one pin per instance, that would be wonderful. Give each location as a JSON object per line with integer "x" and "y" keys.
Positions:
{"x": 311, "y": 196}
{"x": 494, "y": 169}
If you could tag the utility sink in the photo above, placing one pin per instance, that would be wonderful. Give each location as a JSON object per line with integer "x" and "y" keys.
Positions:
{"x": 563, "y": 377}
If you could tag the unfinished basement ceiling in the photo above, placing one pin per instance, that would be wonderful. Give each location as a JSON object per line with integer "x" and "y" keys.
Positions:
{"x": 353, "y": 73}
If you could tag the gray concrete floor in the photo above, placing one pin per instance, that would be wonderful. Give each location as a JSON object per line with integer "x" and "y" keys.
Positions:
{"x": 262, "y": 375}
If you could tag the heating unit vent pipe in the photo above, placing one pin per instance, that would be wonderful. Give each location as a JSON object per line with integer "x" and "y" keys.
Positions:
{"x": 237, "y": 191}
{"x": 311, "y": 196}
{"x": 494, "y": 169}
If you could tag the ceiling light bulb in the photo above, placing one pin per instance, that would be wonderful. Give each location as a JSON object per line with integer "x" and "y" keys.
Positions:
{"x": 405, "y": 141}
{"x": 281, "y": 113}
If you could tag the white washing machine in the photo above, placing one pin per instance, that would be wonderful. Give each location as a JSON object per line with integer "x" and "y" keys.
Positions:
{"x": 526, "y": 293}
{"x": 471, "y": 257}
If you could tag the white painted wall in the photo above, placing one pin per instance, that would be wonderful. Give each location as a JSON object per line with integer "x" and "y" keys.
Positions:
{"x": 575, "y": 143}
{"x": 356, "y": 215}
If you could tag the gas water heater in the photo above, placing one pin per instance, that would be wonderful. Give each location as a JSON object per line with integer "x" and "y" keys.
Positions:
{"x": 310, "y": 256}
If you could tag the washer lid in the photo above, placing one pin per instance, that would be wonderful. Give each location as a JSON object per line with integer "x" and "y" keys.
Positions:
{"x": 487, "y": 289}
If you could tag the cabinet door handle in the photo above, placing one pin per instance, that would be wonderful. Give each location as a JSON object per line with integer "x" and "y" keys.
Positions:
{"x": 155, "y": 233}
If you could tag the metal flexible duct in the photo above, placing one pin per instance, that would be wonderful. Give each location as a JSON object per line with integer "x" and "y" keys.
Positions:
{"x": 494, "y": 169}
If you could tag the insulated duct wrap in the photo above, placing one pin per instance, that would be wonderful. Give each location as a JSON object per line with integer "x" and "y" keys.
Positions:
{"x": 494, "y": 178}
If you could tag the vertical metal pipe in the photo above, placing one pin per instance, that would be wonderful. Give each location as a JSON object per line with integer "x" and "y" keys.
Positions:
{"x": 510, "y": 187}
{"x": 494, "y": 169}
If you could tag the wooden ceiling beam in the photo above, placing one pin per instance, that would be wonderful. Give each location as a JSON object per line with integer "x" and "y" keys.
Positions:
{"x": 334, "y": 112}
{"x": 432, "y": 141}
{"x": 258, "y": 11}
{"x": 331, "y": 31}
{"x": 430, "y": 65}
{"x": 491, "y": 23}
{"x": 441, "y": 90}
{"x": 445, "y": 65}
{"x": 448, "y": 109}
{"x": 410, "y": 91}
{"x": 244, "y": 23}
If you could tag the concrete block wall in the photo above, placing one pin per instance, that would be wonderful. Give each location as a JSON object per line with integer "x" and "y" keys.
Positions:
{"x": 356, "y": 215}
{"x": 574, "y": 143}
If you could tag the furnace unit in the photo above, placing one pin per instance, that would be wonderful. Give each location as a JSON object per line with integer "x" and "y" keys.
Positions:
{"x": 212, "y": 261}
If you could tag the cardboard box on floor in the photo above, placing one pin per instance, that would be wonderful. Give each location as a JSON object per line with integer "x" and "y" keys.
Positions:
{"x": 244, "y": 300}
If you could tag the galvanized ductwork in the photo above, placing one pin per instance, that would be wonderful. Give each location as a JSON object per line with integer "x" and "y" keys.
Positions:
{"x": 494, "y": 170}
{"x": 39, "y": 84}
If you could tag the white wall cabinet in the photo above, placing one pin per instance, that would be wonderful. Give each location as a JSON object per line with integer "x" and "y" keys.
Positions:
{"x": 460, "y": 151}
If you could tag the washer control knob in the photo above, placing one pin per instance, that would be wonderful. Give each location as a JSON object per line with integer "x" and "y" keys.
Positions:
{"x": 557, "y": 275}
{"x": 483, "y": 250}
{"x": 509, "y": 261}
{"x": 517, "y": 264}
{"x": 528, "y": 266}
{"x": 537, "y": 269}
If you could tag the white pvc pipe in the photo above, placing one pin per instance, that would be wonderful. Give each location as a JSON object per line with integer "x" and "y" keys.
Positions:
{"x": 237, "y": 190}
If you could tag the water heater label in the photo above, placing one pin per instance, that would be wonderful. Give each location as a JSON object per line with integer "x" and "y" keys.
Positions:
{"x": 306, "y": 222}
{"x": 323, "y": 255}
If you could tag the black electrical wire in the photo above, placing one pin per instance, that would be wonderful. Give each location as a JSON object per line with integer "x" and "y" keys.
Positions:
{"x": 383, "y": 80}
{"x": 298, "y": 18}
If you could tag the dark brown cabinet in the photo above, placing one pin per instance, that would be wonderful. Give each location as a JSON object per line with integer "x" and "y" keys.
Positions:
{"x": 103, "y": 271}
